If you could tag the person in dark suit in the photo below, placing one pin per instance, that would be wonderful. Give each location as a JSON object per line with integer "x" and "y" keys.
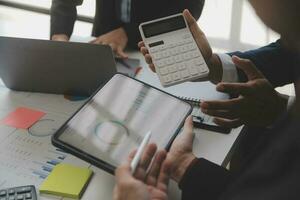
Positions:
{"x": 270, "y": 170}
{"x": 116, "y": 21}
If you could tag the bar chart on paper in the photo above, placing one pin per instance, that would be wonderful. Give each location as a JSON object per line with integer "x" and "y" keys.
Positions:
{"x": 27, "y": 155}
{"x": 28, "y": 158}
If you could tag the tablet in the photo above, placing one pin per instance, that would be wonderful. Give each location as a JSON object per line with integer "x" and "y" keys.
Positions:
{"x": 115, "y": 119}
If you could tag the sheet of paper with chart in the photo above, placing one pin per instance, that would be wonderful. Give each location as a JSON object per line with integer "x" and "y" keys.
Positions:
{"x": 115, "y": 121}
{"x": 27, "y": 155}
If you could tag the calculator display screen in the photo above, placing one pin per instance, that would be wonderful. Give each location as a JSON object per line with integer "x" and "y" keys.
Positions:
{"x": 164, "y": 26}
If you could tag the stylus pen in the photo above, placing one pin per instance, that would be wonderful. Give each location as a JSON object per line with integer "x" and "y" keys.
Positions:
{"x": 136, "y": 159}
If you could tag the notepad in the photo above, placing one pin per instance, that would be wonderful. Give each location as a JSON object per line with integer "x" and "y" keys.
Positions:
{"x": 23, "y": 118}
{"x": 67, "y": 181}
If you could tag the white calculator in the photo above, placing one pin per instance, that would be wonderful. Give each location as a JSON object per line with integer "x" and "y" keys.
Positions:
{"x": 174, "y": 51}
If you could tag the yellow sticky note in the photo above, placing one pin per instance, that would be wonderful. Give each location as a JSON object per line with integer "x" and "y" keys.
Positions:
{"x": 67, "y": 181}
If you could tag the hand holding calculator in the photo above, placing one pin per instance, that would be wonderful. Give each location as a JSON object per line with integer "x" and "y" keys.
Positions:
{"x": 173, "y": 49}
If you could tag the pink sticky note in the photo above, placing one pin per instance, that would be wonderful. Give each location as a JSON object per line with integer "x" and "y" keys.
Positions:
{"x": 23, "y": 118}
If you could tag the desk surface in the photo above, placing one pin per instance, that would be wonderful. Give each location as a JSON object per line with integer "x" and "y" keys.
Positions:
{"x": 23, "y": 154}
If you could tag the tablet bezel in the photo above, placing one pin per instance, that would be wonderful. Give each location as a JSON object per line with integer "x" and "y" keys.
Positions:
{"x": 96, "y": 161}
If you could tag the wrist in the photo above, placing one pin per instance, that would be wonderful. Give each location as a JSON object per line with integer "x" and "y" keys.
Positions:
{"x": 215, "y": 69}
{"x": 179, "y": 170}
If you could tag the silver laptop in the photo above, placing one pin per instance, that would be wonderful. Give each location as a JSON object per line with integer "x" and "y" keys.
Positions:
{"x": 54, "y": 67}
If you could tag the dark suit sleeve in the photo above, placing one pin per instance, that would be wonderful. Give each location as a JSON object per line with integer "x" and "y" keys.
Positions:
{"x": 204, "y": 180}
{"x": 177, "y": 6}
{"x": 274, "y": 61}
{"x": 63, "y": 15}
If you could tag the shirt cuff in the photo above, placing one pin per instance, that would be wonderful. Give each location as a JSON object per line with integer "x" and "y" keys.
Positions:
{"x": 229, "y": 69}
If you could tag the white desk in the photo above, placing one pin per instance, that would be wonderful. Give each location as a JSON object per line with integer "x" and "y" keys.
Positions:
{"x": 210, "y": 145}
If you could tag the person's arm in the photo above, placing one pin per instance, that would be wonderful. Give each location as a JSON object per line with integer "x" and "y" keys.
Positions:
{"x": 274, "y": 61}
{"x": 204, "y": 180}
{"x": 194, "y": 6}
{"x": 63, "y": 15}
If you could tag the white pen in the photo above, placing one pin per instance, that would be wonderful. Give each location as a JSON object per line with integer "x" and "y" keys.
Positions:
{"x": 136, "y": 159}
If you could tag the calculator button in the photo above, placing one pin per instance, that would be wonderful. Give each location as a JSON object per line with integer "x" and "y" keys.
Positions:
{"x": 185, "y": 56}
{"x": 178, "y": 50}
{"x": 193, "y": 70}
{"x": 173, "y": 68}
{"x": 181, "y": 43}
{"x": 195, "y": 54}
{"x": 203, "y": 69}
{"x": 174, "y": 51}
{"x": 185, "y": 73}
{"x": 198, "y": 61}
{"x": 11, "y": 191}
{"x": 162, "y": 63}
{"x": 161, "y": 48}
{"x": 156, "y": 56}
{"x": 3, "y": 198}
{"x": 167, "y": 54}
{"x": 20, "y": 197}
{"x": 182, "y": 50}
{"x": 23, "y": 190}
{"x": 177, "y": 59}
{"x": 186, "y": 36}
{"x": 189, "y": 56}
{"x": 181, "y": 66}
{"x": 2, "y": 193}
{"x": 166, "y": 79}
{"x": 189, "y": 40}
{"x": 11, "y": 198}
{"x": 192, "y": 46}
{"x": 169, "y": 61}
{"x": 154, "y": 49}
{"x": 176, "y": 76}
{"x": 28, "y": 196}
{"x": 164, "y": 71}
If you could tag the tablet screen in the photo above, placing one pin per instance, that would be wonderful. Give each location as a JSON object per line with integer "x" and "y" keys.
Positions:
{"x": 115, "y": 120}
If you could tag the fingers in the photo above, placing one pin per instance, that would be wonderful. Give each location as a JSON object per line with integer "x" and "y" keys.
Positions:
{"x": 147, "y": 156}
{"x": 228, "y": 123}
{"x": 231, "y": 104}
{"x": 152, "y": 67}
{"x": 152, "y": 177}
{"x": 148, "y": 59}
{"x": 164, "y": 176}
{"x": 236, "y": 88}
{"x": 248, "y": 67}
{"x": 120, "y": 52}
{"x": 147, "y": 56}
{"x": 145, "y": 161}
{"x": 144, "y": 51}
{"x": 141, "y": 44}
{"x": 131, "y": 155}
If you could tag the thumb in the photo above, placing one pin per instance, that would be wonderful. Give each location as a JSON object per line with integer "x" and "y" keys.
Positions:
{"x": 188, "y": 134}
{"x": 192, "y": 23}
{"x": 248, "y": 67}
{"x": 189, "y": 18}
